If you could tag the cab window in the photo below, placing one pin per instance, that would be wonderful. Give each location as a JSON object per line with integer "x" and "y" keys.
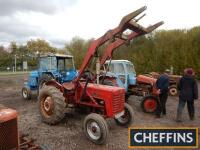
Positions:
{"x": 119, "y": 68}
{"x": 130, "y": 68}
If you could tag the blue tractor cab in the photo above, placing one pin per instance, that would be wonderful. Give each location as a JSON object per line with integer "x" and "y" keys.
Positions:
{"x": 123, "y": 71}
{"x": 50, "y": 66}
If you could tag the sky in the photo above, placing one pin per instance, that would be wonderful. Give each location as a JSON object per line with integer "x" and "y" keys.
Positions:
{"x": 58, "y": 21}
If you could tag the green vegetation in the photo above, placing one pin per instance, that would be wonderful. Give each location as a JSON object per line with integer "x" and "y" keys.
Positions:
{"x": 157, "y": 51}
{"x": 27, "y": 52}
{"x": 154, "y": 52}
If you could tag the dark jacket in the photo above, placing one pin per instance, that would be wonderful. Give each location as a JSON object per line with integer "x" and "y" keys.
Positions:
{"x": 162, "y": 83}
{"x": 188, "y": 88}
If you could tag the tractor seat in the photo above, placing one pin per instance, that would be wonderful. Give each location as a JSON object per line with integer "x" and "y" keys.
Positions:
{"x": 68, "y": 85}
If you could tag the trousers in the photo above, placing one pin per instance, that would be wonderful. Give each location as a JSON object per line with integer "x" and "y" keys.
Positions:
{"x": 162, "y": 104}
{"x": 190, "y": 107}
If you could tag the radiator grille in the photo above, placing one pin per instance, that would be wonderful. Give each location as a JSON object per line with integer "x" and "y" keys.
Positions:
{"x": 118, "y": 102}
{"x": 8, "y": 135}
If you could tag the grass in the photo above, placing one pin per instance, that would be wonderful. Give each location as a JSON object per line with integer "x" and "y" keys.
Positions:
{"x": 4, "y": 73}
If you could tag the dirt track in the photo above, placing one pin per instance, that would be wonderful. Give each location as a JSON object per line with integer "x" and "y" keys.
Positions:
{"x": 68, "y": 134}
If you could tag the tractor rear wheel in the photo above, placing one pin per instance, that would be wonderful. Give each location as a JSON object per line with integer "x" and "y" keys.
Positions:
{"x": 26, "y": 93}
{"x": 127, "y": 118}
{"x": 45, "y": 78}
{"x": 52, "y": 105}
{"x": 95, "y": 128}
{"x": 173, "y": 90}
{"x": 149, "y": 104}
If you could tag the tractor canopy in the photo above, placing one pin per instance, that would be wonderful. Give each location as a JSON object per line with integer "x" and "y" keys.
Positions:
{"x": 123, "y": 70}
{"x": 59, "y": 65}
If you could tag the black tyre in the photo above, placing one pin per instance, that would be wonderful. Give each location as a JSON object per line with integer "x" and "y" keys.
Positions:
{"x": 95, "y": 128}
{"x": 149, "y": 104}
{"x": 45, "y": 78}
{"x": 127, "y": 118}
{"x": 52, "y": 105}
{"x": 26, "y": 93}
{"x": 127, "y": 95}
{"x": 173, "y": 90}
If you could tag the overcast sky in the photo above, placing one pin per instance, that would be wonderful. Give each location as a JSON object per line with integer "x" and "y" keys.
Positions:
{"x": 58, "y": 21}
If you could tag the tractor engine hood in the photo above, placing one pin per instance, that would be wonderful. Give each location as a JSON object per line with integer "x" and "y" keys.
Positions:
{"x": 113, "y": 98}
{"x": 69, "y": 75}
{"x": 146, "y": 80}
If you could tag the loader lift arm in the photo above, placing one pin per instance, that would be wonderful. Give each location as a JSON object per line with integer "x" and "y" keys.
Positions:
{"x": 137, "y": 30}
{"x": 127, "y": 22}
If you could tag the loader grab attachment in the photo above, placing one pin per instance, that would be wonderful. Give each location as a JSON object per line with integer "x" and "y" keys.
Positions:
{"x": 137, "y": 30}
{"x": 116, "y": 37}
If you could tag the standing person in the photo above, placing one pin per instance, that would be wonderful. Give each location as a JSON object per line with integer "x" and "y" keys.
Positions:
{"x": 188, "y": 93}
{"x": 162, "y": 84}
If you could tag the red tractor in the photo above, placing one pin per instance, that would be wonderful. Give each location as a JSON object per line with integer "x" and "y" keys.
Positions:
{"x": 173, "y": 82}
{"x": 84, "y": 91}
{"x": 146, "y": 86}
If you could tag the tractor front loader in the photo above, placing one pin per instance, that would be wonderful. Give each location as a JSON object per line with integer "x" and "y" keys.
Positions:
{"x": 150, "y": 102}
{"x": 85, "y": 91}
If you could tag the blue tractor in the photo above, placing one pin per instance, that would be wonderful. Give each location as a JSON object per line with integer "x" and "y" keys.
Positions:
{"x": 124, "y": 73}
{"x": 50, "y": 66}
{"x": 121, "y": 73}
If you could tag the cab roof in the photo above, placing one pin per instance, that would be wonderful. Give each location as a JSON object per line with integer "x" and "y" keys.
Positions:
{"x": 56, "y": 55}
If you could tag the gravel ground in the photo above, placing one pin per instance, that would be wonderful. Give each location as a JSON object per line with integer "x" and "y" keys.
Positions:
{"x": 69, "y": 134}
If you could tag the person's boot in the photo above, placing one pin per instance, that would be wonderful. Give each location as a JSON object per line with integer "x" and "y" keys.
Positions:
{"x": 178, "y": 118}
{"x": 191, "y": 117}
{"x": 164, "y": 112}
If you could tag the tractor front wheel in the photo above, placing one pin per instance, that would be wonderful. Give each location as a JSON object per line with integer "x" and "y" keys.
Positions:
{"x": 26, "y": 93}
{"x": 149, "y": 104}
{"x": 95, "y": 128}
{"x": 127, "y": 118}
{"x": 52, "y": 105}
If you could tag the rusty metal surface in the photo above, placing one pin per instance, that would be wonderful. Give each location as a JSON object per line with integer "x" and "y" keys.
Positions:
{"x": 7, "y": 114}
{"x": 27, "y": 143}
{"x": 146, "y": 79}
{"x": 172, "y": 77}
{"x": 9, "y": 135}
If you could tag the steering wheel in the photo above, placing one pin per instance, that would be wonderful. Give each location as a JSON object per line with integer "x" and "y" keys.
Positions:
{"x": 88, "y": 74}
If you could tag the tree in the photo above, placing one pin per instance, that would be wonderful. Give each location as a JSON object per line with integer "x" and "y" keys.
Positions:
{"x": 39, "y": 45}
{"x": 78, "y": 48}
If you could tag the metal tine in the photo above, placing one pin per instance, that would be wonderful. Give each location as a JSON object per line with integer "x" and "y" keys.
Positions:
{"x": 153, "y": 27}
{"x": 132, "y": 15}
{"x": 136, "y": 20}
{"x": 124, "y": 21}
{"x": 136, "y": 27}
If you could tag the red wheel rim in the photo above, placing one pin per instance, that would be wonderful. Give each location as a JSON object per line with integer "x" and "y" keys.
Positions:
{"x": 150, "y": 105}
